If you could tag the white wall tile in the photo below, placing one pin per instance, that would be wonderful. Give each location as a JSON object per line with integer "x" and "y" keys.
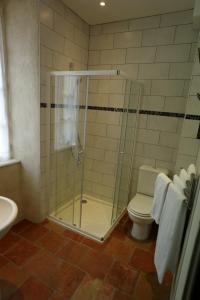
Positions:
{"x": 190, "y": 128}
{"x": 186, "y": 34}
{"x": 175, "y": 104}
{"x": 180, "y": 70}
{"x": 96, "y": 129}
{"x": 193, "y": 105}
{"x": 63, "y": 27}
{"x": 115, "y": 27}
{"x": 103, "y": 41}
{"x": 153, "y": 71}
{"x": 131, "y": 70}
{"x": 173, "y": 53}
{"x": 167, "y": 87}
{"x": 158, "y": 152}
{"x": 61, "y": 62}
{"x": 148, "y": 136}
{"x": 195, "y": 85}
{"x": 94, "y": 58}
{"x": 144, "y": 23}
{"x": 153, "y": 103}
{"x": 113, "y": 131}
{"x": 108, "y": 117}
{"x": 94, "y": 153}
{"x": 46, "y": 57}
{"x": 51, "y": 39}
{"x": 128, "y": 39}
{"x": 183, "y": 17}
{"x": 169, "y": 139}
{"x": 116, "y": 56}
{"x": 46, "y": 15}
{"x": 141, "y": 55}
{"x": 160, "y": 36}
{"x": 188, "y": 146}
{"x": 161, "y": 123}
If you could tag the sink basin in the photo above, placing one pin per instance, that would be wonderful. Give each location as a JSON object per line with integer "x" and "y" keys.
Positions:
{"x": 8, "y": 214}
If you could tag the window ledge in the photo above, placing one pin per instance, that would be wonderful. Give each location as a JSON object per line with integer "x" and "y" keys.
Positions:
{"x": 9, "y": 162}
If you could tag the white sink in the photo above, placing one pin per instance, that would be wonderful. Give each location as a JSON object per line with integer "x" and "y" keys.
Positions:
{"x": 8, "y": 214}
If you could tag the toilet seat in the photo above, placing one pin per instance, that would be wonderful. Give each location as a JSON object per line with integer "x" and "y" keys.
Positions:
{"x": 141, "y": 206}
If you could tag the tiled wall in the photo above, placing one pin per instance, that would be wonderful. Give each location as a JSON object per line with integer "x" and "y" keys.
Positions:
{"x": 190, "y": 134}
{"x": 64, "y": 41}
{"x": 157, "y": 51}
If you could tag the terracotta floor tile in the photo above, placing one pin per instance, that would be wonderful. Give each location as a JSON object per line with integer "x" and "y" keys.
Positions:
{"x": 43, "y": 266}
{"x": 119, "y": 249}
{"x": 21, "y": 226}
{"x": 54, "y": 227}
{"x": 93, "y": 244}
{"x": 118, "y": 233}
{"x": 21, "y": 252}
{"x": 8, "y": 241}
{"x": 57, "y": 296}
{"x": 158, "y": 291}
{"x": 3, "y": 261}
{"x": 106, "y": 292}
{"x": 67, "y": 279}
{"x": 34, "y": 232}
{"x": 122, "y": 296}
{"x": 88, "y": 289}
{"x": 11, "y": 277}
{"x": 122, "y": 277}
{"x": 52, "y": 242}
{"x": 73, "y": 252}
{"x": 32, "y": 289}
{"x": 143, "y": 289}
{"x": 143, "y": 260}
{"x": 73, "y": 235}
{"x": 96, "y": 264}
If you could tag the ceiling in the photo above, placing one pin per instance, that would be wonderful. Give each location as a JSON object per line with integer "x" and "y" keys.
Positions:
{"x": 115, "y": 10}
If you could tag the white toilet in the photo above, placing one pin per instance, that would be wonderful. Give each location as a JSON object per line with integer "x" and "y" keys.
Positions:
{"x": 139, "y": 207}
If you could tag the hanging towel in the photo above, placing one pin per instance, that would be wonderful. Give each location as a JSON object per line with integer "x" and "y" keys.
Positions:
{"x": 170, "y": 232}
{"x": 180, "y": 184}
{"x": 160, "y": 191}
{"x": 191, "y": 170}
{"x": 184, "y": 176}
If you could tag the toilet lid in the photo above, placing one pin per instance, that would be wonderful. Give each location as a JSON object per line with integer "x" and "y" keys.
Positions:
{"x": 141, "y": 205}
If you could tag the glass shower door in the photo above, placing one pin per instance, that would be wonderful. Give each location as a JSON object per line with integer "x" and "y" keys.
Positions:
{"x": 126, "y": 148}
{"x": 68, "y": 119}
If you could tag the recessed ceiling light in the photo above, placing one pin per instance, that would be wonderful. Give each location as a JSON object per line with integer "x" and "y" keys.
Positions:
{"x": 102, "y": 3}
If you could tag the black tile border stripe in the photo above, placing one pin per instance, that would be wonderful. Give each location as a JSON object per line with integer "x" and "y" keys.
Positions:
{"x": 130, "y": 110}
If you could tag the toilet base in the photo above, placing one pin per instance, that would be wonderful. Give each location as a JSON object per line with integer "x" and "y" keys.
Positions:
{"x": 141, "y": 231}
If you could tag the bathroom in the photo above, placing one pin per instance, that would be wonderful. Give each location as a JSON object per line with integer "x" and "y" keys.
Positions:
{"x": 134, "y": 71}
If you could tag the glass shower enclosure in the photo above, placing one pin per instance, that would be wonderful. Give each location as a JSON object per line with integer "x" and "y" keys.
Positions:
{"x": 93, "y": 124}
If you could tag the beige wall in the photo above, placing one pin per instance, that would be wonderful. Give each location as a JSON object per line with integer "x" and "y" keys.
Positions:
{"x": 22, "y": 38}
{"x": 10, "y": 184}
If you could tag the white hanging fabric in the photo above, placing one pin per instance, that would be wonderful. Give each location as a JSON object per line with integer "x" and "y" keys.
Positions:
{"x": 4, "y": 129}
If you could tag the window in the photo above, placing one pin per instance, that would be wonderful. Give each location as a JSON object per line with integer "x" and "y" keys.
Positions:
{"x": 4, "y": 132}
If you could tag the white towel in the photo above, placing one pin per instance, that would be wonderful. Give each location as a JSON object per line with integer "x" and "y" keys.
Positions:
{"x": 161, "y": 185}
{"x": 184, "y": 176}
{"x": 180, "y": 184}
{"x": 191, "y": 170}
{"x": 170, "y": 232}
